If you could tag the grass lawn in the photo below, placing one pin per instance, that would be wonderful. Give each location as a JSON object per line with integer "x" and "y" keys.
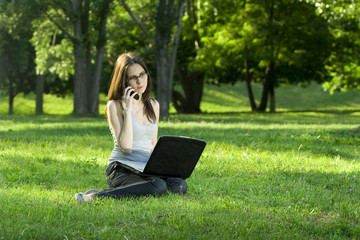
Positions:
{"x": 290, "y": 175}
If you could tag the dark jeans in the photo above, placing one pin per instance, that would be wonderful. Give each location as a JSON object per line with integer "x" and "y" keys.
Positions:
{"x": 124, "y": 183}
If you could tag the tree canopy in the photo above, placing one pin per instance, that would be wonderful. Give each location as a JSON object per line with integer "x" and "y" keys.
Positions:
{"x": 74, "y": 44}
{"x": 17, "y": 66}
{"x": 343, "y": 65}
{"x": 275, "y": 42}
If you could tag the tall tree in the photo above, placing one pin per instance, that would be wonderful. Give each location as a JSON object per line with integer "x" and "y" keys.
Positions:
{"x": 343, "y": 65}
{"x": 17, "y": 67}
{"x": 83, "y": 23}
{"x": 166, "y": 56}
{"x": 136, "y": 34}
{"x": 54, "y": 60}
{"x": 190, "y": 78}
{"x": 168, "y": 41}
{"x": 270, "y": 41}
{"x": 87, "y": 83}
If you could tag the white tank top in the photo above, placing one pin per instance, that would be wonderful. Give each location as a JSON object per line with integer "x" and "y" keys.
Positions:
{"x": 142, "y": 134}
{"x": 142, "y": 144}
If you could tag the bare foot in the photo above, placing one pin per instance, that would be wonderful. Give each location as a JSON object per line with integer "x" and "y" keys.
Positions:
{"x": 89, "y": 197}
{"x": 82, "y": 197}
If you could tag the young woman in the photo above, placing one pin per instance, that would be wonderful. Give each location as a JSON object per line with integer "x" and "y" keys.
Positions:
{"x": 133, "y": 122}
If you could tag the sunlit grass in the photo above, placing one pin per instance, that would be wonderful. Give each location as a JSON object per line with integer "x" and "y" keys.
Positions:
{"x": 290, "y": 175}
{"x": 234, "y": 98}
{"x": 261, "y": 176}
{"x": 226, "y": 98}
{"x": 25, "y": 104}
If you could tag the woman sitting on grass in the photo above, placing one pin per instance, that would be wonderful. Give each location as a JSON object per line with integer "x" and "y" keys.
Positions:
{"x": 133, "y": 122}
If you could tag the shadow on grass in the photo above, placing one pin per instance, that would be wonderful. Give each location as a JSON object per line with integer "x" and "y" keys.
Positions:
{"x": 54, "y": 133}
{"x": 311, "y": 203}
{"x": 317, "y": 202}
{"x": 52, "y": 118}
{"x": 331, "y": 143}
{"x": 285, "y": 117}
{"x": 317, "y": 141}
{"x": 315, "y": 187}
{"x": 314, "y": 203}
{"x": 329, "y": 111}
{"x": 50, "y": 173}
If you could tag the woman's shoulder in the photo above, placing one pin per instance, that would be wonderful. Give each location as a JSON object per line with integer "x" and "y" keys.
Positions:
{"x": 154, "y": 102}
{"x": 114, "y": 104}
{"x": 156, "y": 107}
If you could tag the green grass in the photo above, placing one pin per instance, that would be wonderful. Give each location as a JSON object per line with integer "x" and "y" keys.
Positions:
{"x": 294, "y": 174}
{"x": 290, "y": 98}
{"x": 223, "y": 99}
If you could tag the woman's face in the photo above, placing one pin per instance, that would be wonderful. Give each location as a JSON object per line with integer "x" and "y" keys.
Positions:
{"x": 137, "y": 78}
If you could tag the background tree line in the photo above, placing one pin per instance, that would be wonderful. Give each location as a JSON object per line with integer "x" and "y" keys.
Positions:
{"x": 64, "y": 46}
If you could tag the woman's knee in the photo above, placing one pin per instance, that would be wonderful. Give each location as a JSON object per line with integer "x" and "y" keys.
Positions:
{"x": 182, "y": 186}
{"x": 159, "y": 186}
{"x": 176, "y": 185}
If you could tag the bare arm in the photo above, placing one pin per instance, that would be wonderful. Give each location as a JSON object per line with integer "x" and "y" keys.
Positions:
{"x": 119, "y": 117}
{"x": 120, "y": 122}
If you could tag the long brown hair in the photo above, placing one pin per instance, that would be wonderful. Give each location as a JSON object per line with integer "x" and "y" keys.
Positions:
{"x": 119, "y": 78}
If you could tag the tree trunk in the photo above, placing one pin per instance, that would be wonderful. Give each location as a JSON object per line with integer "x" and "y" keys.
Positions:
{"x": 94, "y": 91}
{"x": 193, "y": 88}
{"x": 265, "y": 91}
{"x": 163, "y": 88}
{"x": 11, "y": 96}
{"x": 164, "y": 63}
{"x": 100, "y": 47}
{"x": 39, "y": 94}
{"x": 248, "y": 86}
{"x": 176, "y": 43}
{"x": 272, "y": 88}
{"x": 86, "y": 41}
{"x": 80, "y": 93}
{"x": 198, "y": 90}
{"x": 135, "y": 18}
{"x": 178, "y": 101}
{"x": 86, "y": 84}
{"x": 11, "y": 104}
{"x": 272, "y": 103}
{"x": 163, "y": 32}
{"x": 268, "y": 89}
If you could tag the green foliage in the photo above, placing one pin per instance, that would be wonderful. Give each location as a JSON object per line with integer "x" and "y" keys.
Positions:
{"x": 54, "y": 53}
{"x": 54, "y": 56}
{"x": 288, "y": 33}
{"x": 125, "y": 36}
{"x": 312, "y": 40}
{"x": 344, "y": 24}
{"x": 17, "y": 67}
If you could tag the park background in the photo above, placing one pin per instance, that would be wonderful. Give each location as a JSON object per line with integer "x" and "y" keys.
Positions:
{"x": 272, "y": 86}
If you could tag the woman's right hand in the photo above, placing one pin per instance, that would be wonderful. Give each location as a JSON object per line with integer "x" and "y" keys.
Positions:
{"x": 128, "y": 98}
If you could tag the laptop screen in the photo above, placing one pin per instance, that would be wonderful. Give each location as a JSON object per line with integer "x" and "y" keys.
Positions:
{"x": 175, "y": 156}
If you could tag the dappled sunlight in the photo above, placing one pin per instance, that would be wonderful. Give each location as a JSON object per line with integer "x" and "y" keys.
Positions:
{"x": 48, "y": 171}
{"x": 316, "y": 138}
{"x": 275, "y": 85}
{"x": 226, "y": 98}
{"x": 231, "y": 160}
{"x": 291, "y": 168}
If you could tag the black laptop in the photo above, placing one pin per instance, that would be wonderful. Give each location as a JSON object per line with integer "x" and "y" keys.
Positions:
{"x": 174, "y": 156}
